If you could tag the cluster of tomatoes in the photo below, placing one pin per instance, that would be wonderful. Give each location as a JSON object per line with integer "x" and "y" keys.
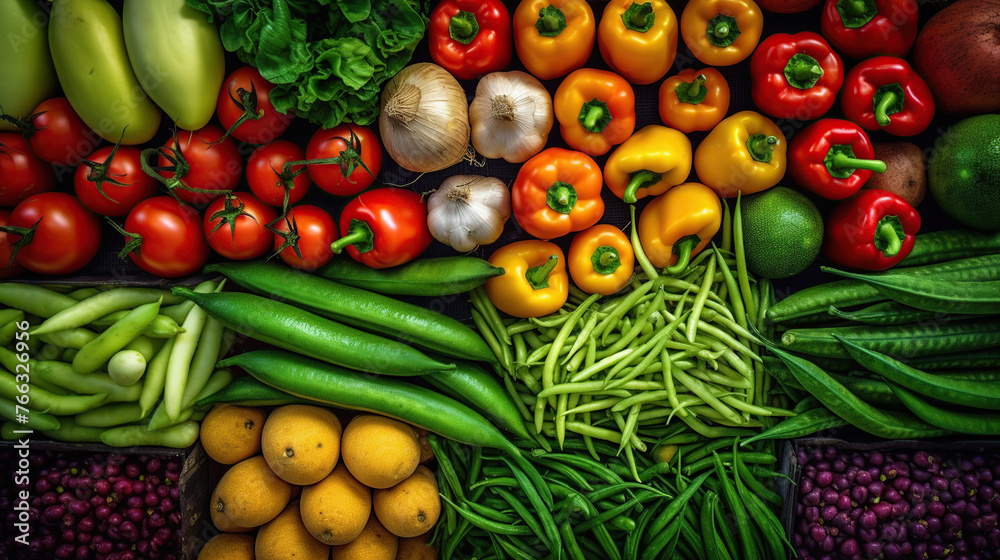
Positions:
{"x": 179, "y": 200}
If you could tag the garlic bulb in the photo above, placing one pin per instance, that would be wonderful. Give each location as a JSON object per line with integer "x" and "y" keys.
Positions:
{"x": 468, "y": 211}
{"x": 511, "y": 116}
{"x": 424, "y": 119}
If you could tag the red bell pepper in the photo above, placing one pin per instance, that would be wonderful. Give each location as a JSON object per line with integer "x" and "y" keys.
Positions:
{"x": 471, "y": 38}
{"x": 864, "y": 28}
{"x": 832, "y": 158}
{"x": 795, "y": 76}
{"x": 885, "y": 92}
{"x": 384, "y": 227}
{"x": 872, "y": 230}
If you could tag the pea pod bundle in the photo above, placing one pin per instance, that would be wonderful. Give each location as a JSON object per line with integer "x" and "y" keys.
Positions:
{"x": 295, "y": 329}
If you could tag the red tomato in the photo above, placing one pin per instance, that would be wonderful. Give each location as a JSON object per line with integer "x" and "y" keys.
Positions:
{"x": 359, "y": 155}
{"x": 113, "y": 187}
{"x": 384, "y": 227}
{"x": 210, "y": 168}
{"x": 58, "y": 135}
{"x": 67, "y": 235}
{"x": 236, "y": 226}
{"x": 22, "y": 172}
{"x": 245, "y": 92}
{"x": 172, "y": 241}
{"x": 304, "y": 235}
{"x": 9, "y": 268}
{"x": 264, "y": 170}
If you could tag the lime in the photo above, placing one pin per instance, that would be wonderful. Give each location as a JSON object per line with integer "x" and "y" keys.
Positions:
{"x": 782, "y": 232}
{"x": 963, "y": 172}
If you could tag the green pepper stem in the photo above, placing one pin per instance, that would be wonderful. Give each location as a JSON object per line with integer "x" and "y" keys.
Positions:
{"x": 463, "y": 27}
{"x": 843, "y": 161}
{"x": 881, "y": 110}
{"x": 639, "y": 179}
{"x": 807, "y": 73}
{"x": 594, "y": 114}
{"x": 608, "y": 258}
{"x": 359, "y": 234}
{"x": 683, "y": 250}
{"x": 640, "y": 14}
{"x": 538, "y": 276}
{"x": 695, "y": 86}
{"x": 888, "y": 234}
{"x": 721, "y": 30}
{"x": 855, "y": 8}
{"x": 760, "y": 146}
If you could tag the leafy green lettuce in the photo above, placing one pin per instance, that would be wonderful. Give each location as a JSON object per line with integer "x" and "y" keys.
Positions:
{"x": 327, "y": 59}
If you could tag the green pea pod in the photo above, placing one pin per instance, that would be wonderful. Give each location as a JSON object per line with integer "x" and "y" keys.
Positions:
{"x": 112, "y": 414}
{"x": 44, "y": 401}
{"x": 979, "y": 423}
{"x": 116, "y": 337}
{"x": 178, "y": 57}
{"x": 178, "y": 436}
{"x": 25, "y": 62}
{"x": 88, "y": 49}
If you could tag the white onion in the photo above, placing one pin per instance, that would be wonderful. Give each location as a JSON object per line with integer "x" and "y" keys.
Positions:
{"x": 424, "y": 119}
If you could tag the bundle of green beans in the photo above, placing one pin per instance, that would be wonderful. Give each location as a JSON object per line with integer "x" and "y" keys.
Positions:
{"x": 118, "y": 365}
{"x": 621, "y": 368}
{"x": 711, "y": 500}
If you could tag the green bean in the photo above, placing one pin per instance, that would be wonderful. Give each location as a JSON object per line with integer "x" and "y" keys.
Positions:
{"x": 699, "y": 302}
{"x": 501, "y": 351}
{"x": 605, "y": 516}
{"x": 603, "y": 328}
{"x": 736, "y": 508}
{"x": 58, "y": 405}
{"x": 713, "y": 431}
{"x": 606, "y": 542}
{"x": 548, "y": 370}
{"x": 99, "y": 350}
{"x": 179, "y": 363}
{"x": 665, "y": 517}
{"x": 959, "y": 421}
{"x": 34, "y": 299}
{"x": 490, "y": 313}
{"x": 487, "y": 524}
{"x": 75, "y": 338}
{"x": 97, "y": 306}
{"x": 445, "y": 466}
{"x": 11, "y": 409}
{"x": 510, "y": 548}
{"x": 569, "y": 539}
{"x": 703, "y": 392}
{"x": 640, "y": 254}
{"x": 155, "y": 378}
{"x": 524, "y": 515}
{"x": 535, "y": 498}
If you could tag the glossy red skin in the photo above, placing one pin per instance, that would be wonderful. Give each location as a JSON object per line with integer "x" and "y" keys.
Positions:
{"x": 254, "y": 131}
{"x": 125, "y": 168}
{"x": 68, "y": 235}
{"x": 329, "y": 143}
{"x": 892, "y": 31}
{"x": 216, "y": 168}
{"x": 317, "y": 230}
{"x": 809, "y": 147}
{"x": 22, "y": 172}
{"x": 173, "y": 242}
{"x": 61, "y": 137}
{"x": 771, "y": 91}
{"x": 864, "y": 80}
{"x": 848, "y": 239}
{"x": 249, "y": 237}
{"x": 263, "y": 167}
{"x": 489, "y": 51}
{"x": 8, "y": 269}
{"x": 398, "y": 220}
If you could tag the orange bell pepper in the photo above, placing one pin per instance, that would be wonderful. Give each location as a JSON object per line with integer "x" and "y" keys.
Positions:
{"x": 694, "y": 99}
{"x": 534, "y": 282}
{"x": 601, "y": 260}
{"x": 595, "y": 110}
{"x": 677, "y": 225}
{"x": 638, "y": 40}
{"x": 553, "y": 37}
{"x": 556, "y": 192}
{"x": 648, "y": 163}
{"x": 721, "y": 32}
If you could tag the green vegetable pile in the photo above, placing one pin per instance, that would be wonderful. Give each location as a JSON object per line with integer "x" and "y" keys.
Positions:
{"x": 327, "y": 60}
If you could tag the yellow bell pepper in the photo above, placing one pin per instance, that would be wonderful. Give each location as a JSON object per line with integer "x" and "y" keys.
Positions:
{"x": 648, "y": 163}
{"x": 721, "y": 32}
{"x": 638, "y": 40}
{"x": 534, "y": 282}
{"x": 677, "y": 225}
{"x": 601, "y": 260}
{"x": 743, "y": 153}
{"x": 553, "y": 37}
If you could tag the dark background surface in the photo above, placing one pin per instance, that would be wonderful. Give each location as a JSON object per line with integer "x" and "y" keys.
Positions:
{"x": 108, "y": 267}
